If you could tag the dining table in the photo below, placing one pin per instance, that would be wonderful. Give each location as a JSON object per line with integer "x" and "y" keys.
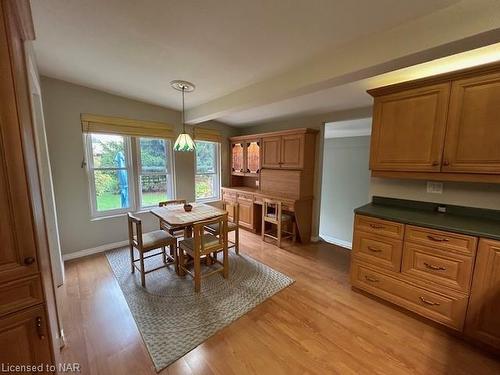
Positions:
{"x": 175, "y": 217}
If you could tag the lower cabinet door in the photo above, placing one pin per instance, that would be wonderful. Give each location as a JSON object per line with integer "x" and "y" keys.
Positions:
{"x": 246, "y": 214}
{"x": 24, "y": 341}
{"x": 483, "y": 316}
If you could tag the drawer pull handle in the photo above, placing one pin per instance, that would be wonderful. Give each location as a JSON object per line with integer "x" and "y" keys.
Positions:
{"x": 29, "y": 260}
{"x": 434, "y": 268}
{"x": 437, "y": 239}
{"x": 39, "y": 328}
{"x": 372, "y": 279}
{"x": 430, "y": 303}
{"x": 377, "y": 226}
{"x": 374, "y": 249}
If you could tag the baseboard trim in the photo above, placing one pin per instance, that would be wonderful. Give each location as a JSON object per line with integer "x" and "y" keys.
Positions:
{"x": 94, "y": 250}
{"x": 336, "y": 241}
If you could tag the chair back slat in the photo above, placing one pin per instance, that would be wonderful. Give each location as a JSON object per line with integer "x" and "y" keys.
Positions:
{"x": 199, "y": 230}
{"x": 134, "y": 230}
{"x": 234, "y": 208}
{"x": 271, "y": 210}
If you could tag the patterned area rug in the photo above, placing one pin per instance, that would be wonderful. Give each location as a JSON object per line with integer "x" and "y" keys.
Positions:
{"x": 173, "y": 319}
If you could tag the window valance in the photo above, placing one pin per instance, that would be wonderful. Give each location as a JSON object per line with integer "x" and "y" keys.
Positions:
{"x": 204, "y": 134}
{"x": 116, "y": 125}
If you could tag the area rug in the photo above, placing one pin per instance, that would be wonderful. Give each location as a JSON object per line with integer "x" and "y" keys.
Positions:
{"x": 173, "y": 319}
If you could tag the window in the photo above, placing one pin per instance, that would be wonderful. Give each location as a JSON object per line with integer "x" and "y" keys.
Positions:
{"x": 128, "y": 173}
{"x": 207, "y": 177}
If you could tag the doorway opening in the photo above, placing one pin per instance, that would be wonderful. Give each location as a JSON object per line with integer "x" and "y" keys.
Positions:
{"x": 346, "y": 178}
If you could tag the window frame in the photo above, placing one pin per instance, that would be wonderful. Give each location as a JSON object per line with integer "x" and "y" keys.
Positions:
{"x": 218, "y": 169}
{"x": 132, "y": 154}
{"x": 138, "y": 170}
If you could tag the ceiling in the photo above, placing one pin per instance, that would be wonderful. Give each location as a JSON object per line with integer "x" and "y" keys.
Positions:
{"x": 226, "y": 47}
{"x": 354, "y": 95}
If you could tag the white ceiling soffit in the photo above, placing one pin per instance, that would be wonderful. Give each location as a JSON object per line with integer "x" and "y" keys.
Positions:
{"x": 466, "y": 25}
{"x": 353, "y": 95}
{"x": 350, "y": 128}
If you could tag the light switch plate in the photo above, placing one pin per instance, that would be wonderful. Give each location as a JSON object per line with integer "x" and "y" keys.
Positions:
{"x": 434, "y": 187}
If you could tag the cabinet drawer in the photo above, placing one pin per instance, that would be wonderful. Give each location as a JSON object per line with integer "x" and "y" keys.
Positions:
{"x": 378, "y": 250}
{"x": 459, "y": 243}
{"x": 439, "y": 266}
{"x": 446, "y": 309}
{"x": 228, "y": 195}
{"x": 379, "y": 226}
{"x": 245, "y": 197}
{"x": 19, "y": 294}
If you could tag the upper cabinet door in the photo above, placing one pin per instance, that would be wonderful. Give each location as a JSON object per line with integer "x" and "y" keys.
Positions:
{"x": 409, "y": 128}
{"x": 473, "y": 132}
{"x": 253, "y": 157}
{"x": 292, "y": 151}
{"x": 237, "y": 166}
{"x": 271, "y": 152}
{"x": 483, "y": 321}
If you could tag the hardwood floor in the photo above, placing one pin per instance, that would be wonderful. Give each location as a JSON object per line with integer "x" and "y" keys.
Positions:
{"x": 316, "y": 326}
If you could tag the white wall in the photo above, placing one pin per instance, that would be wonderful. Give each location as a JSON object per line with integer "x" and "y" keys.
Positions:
{"x": 63, "y": 104}
{"x": 345, "y": 186}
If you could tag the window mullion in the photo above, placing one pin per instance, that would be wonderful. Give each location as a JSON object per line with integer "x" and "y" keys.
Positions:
{"x": 135, "y": 173}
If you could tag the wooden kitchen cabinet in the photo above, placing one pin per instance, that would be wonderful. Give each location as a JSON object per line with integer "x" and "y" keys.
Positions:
{"x": 483, "y": 316}
{"x": 24, "y": 339}
{"x": 441, "y": 128}
{"x": 246, "y": 211}
{"x": 473, "y": 132}
{"x": 271, "y": 152}
{"x": 29, "y": 326}
{"x": 292, "y": 151}
{"x": 409, "y": 129}
{"x": 237, "y": 158}
{"x": 245, "y": 159}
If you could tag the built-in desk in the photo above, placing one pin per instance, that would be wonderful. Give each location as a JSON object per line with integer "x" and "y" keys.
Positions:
{"x": 250, "y": 215}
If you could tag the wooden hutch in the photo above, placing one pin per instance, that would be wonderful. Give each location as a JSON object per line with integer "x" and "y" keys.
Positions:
{"x": 278, "y": 165}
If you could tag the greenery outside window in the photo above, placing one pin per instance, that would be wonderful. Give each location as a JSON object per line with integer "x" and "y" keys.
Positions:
{"x": 127, "y": 173}
{"x": 207, "y": 171}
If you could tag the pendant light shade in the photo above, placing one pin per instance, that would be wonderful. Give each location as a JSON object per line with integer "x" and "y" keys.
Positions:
{"x": 184, "y": 142}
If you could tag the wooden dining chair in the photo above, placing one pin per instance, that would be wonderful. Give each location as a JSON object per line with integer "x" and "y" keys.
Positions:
{"x": 232, "y": 225}
{"x": 272, "y": 213}
{"x": 146, "y": 242}
{"x": 177, "y": 232}
{"x": 203, "y": 245}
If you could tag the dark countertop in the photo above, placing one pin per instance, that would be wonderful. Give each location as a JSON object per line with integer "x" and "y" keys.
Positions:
{"x": 466, "y": 220}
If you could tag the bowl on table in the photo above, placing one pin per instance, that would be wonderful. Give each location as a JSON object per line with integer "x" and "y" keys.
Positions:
{"x": 188, "y": 207}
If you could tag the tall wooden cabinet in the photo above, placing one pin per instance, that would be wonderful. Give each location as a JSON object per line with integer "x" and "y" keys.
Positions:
{"x": 28, "y": 316}
{"x": 483, "y": 316}
{"x": 443, "y": 127}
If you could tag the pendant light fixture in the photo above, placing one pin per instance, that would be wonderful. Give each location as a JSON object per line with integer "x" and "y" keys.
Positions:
{"x": 184, "y": 141}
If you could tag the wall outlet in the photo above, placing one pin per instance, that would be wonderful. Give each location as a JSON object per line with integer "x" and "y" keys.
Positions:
{"x": 434, "y": 187}
{"x": 257, "y": 183}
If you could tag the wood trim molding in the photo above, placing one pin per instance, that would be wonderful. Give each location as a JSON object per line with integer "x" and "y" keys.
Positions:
{"x": 440, "y": 176}
{"x": 20, "y": 10}
{"x": 94, "y": 250}
{"x": 274, "y": 134}
{"x": 436, "y": 79}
